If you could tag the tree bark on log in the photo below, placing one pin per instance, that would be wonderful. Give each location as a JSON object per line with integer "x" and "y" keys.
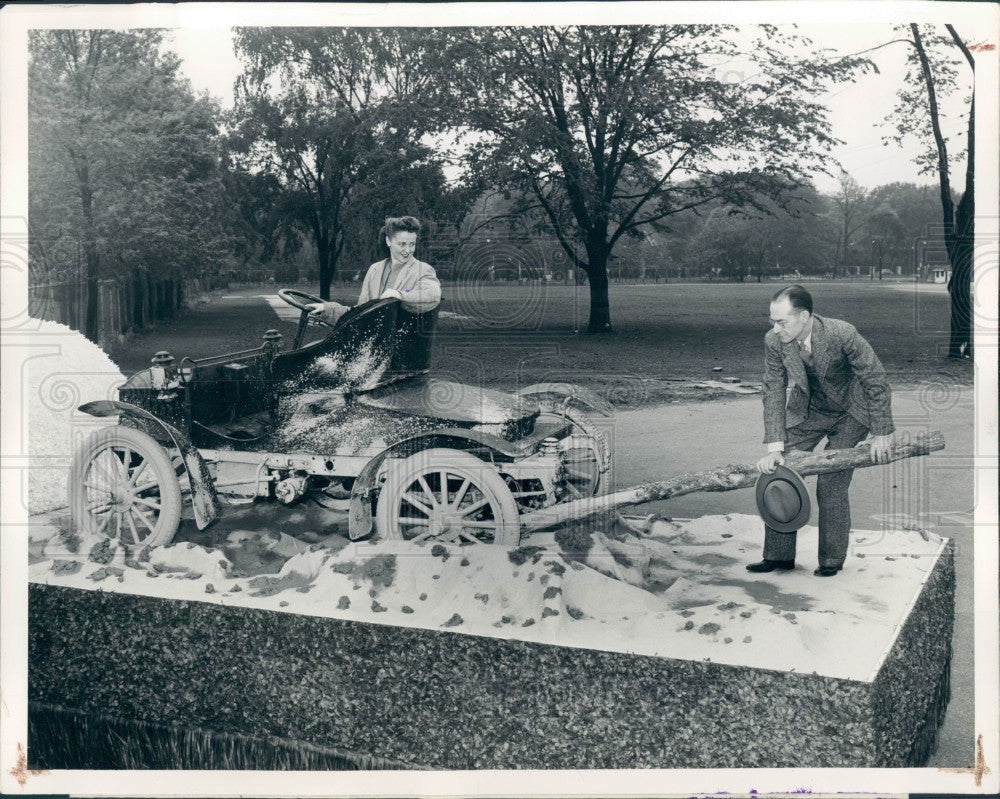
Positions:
{"x": 724, "y": 478}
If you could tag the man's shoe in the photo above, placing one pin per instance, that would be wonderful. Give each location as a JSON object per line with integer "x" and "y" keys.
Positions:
{"x": 827, "y": 571}
{"x": 770, "y": 565}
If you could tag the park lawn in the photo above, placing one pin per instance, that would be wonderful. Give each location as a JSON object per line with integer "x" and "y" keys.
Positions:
{"x": 666, "y": 336}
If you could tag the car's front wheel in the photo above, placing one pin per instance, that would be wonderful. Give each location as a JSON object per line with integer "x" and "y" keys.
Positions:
{"x": 122, "y": 484}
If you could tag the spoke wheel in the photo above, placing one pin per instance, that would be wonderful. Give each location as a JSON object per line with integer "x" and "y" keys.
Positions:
{"x": 122, "y": 485}
{"x": 447, "y": 495}
{"x": 584, "y": 452}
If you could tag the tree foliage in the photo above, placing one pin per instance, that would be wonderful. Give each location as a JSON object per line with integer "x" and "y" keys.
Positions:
{"x": 737, "y": 244}
{"x": 903, "y": 215}
{"x": 329, "y": 115}
{"x": 849, "y": 206}
{"x": 123, "y": 162}
{"x": 610, "y": 129}
{"x": 805, "y": 235}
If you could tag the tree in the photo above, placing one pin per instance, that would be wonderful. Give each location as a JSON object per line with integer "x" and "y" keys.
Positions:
{"x": 406, "y": 171}
{"x": 609, "y": 129}
{"x": 933, "y": 62}
{"x": 849, "y": 206}
{"x": 741, "y": 244}
{"x": 901, "y": 214}
{"x": 123, "y": 166}
{"x": 330, "y": 114}
{"x": 264, "y": 233}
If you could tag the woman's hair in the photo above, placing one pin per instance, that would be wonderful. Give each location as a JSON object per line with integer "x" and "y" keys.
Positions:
{"x": 399, "y": 224}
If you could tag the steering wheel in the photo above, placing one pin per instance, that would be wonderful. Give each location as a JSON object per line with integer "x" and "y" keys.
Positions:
{"x": 293, "y": 297}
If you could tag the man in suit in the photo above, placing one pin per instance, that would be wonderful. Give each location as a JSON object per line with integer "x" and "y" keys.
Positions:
{"x": 840, "y": 391}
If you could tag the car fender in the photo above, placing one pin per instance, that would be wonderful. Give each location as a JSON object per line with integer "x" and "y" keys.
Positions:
{"x": 570, "y": 391}
{"x": 204, "y": 499}
{"x": 360, "y": 517}
{"x": 583, "y": 422}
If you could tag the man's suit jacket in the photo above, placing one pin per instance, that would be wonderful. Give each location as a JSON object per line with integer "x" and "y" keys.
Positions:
{"x": 847, "y": 369}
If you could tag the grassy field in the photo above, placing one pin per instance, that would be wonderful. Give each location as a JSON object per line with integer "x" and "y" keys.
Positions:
{"x": 666, "y": 335}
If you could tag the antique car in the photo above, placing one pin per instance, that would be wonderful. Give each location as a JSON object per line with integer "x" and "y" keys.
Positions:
{"x": 351, "y": 421}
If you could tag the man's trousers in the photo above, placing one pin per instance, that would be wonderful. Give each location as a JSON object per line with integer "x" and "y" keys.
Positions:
{"x": 844, "y": 431}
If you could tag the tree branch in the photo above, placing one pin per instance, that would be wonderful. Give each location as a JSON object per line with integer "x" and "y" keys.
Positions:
{"x": 724, "y": 478}
{"x": 558, "y": 227}
{"x": 962, "y": 47}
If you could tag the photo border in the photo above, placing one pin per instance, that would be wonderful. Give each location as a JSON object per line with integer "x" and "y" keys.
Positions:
{"x": 14, "y": 24}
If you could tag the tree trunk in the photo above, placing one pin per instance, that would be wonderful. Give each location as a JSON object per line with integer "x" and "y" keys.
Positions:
{"x": 597, "y": 275}
{"x": 137, "y": 299}
{"x": 846, "y": 237}
{"x": 68, "y": 295}
{"x": 600, "y": 307}
{"x": 91, "y": 321}
{"x": 965, "y": 234}
{"x": 123, "y": 307}
{"x": 962, "y": 254}
{"x": 327, "y": 267}
{"x": 959, "y": 287}
{"x": 724, "y": 478}
{"x": 958, "y": 226}
{"x": 147, "y": 304}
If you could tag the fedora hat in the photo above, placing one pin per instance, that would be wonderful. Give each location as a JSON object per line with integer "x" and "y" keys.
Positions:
{"x": 782, "y": 500}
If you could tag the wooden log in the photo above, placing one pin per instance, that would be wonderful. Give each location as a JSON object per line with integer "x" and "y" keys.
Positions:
{"x": 725, "y": 478}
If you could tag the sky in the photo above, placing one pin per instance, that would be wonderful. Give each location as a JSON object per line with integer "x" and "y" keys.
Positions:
{"x": 857, "y": 111}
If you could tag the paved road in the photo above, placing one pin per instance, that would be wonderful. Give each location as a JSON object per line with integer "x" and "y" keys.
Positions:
{"x": 934, "y": 492}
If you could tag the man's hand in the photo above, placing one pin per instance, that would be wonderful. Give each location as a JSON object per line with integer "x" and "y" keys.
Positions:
{"x": 315, "y": 309}
{"x": 881, "y": 446}
{"x": 770, "y": 462}
{"x": 391, "y": 294}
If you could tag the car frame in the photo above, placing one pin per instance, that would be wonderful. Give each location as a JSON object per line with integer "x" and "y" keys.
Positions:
{"x": 443, "y": 460}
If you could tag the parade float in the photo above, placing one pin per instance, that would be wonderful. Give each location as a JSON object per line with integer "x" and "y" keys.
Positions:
{"x": 325, "y": 548}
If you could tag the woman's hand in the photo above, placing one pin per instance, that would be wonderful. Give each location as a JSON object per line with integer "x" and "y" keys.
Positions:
{"x": 327, "y": 312}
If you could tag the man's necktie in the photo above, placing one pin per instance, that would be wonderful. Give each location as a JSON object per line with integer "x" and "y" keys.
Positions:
{"x": 805, "y": 354}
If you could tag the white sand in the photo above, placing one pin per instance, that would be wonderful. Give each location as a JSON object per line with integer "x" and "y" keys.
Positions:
{"x": 713, "y": 610}
{"x": 74, "y": 372}
{"x": 360, "y": 373}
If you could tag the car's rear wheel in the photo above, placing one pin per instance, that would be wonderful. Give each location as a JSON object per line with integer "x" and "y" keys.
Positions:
{"x": 447, "y": 495}
{"x": 585, "y": 454}
{"x": 122, "y": 484}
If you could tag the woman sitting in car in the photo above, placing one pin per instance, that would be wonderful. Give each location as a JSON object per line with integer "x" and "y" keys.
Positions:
{"x": 400, "y": 276}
